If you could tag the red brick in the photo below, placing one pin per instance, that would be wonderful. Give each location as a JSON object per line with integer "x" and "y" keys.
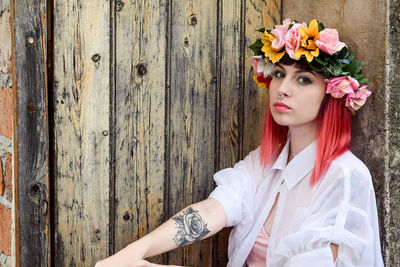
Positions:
{"x": 8, "y": 177}
{"x": 5, "y": 230}
{"x": 6, "y": 111}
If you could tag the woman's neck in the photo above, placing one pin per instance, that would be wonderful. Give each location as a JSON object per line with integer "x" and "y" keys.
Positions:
{"x": 300, "y": 138}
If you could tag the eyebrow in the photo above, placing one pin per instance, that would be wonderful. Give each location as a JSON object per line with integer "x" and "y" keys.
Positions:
{"x": 297, "y": 70}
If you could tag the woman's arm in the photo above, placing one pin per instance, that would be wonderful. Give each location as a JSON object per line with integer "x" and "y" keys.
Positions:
{"x": 191, "y": 224}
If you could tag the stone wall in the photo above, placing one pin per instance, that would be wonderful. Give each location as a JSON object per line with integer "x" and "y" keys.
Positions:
{"x": 6, "y": 135}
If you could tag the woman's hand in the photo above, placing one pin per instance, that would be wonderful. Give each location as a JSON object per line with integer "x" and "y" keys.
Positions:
{"x": 110, "y": 262}
{"x": 144, "y": 263}
{"x": 126, "y": 257}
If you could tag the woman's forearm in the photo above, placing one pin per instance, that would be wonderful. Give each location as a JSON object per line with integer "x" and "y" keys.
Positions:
{"x": 191, "y": 224}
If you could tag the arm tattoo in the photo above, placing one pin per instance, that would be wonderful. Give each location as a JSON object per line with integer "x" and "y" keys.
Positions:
{"x": 191, "y": 227}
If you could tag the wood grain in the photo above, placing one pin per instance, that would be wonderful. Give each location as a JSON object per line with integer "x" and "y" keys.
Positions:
{"x": 192, "y": 115}
{"x": 230, "y": 104}
{"x": 31, "y": 133}
{"x": 140, "y": 120}
{"x": 81, "y": 130}
{"x": 258, "y": 14}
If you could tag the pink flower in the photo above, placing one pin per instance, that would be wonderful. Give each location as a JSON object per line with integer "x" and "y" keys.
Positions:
{"x": 328, "y": 41}
{"x": 254, "y": 64}
{"x": 341, "y": 85}
{"x": 293, "y": 39}
{"x": 279, "y": 33}
{"x": 356, "y": 99}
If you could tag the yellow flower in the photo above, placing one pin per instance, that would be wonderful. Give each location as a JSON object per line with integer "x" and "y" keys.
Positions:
{"x": 268, "y": 50}
{"x": 308, "y": 46}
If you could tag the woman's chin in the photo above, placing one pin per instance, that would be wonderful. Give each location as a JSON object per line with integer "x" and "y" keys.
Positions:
{"x": 280, "y": 120}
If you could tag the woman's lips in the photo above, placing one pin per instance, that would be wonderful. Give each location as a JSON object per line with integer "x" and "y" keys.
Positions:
{"x": 280, "y": 107}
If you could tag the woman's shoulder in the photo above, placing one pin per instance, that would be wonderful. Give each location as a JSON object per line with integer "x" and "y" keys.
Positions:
{"x": 350, "y": 166}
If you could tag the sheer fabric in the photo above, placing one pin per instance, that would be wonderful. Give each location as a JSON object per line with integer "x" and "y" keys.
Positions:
{"x": 340, "y": 208}
{"x": 258, "y": 253}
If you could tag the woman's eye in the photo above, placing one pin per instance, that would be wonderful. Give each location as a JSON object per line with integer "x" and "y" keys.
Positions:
{"x": 278, "y": 74}
{"x": 304, "y": 80}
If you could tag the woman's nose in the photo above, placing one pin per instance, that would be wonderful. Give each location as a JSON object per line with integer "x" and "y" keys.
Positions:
{"x": 284, "y": 87}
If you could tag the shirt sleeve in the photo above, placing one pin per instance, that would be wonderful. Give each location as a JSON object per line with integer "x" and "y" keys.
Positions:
{"x": 344, "y": 213}
{"x": 236, "y": 186}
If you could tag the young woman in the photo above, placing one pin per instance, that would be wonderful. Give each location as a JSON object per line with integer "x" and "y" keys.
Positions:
{"x": 302, "y": 198}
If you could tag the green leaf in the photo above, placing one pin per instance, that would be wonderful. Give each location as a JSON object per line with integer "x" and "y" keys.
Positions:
{"x": 363, "y": 80}
{"x": 261, "y": 30}
{"x": 320, "y": 26}
{"x": 337, "y": 69}
{"x": 354, "y": 67}
{"x": 342, "y": 53}
{"x": 329, "y": 70}
{"x": 320, "y": 61}
{"x": 351, "y": 57}
{"x": 319, "y": 69}
{"x": 256, "y": 47}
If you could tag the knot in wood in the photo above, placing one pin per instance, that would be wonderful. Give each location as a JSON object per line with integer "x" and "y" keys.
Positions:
{"x": 192, "y": 20}
{"x": 126, "y": 216}
{"x": 186, "y": 42}
{"x": 96, "y": 58}
{"x": 31, "y": 107}
{"x": 35, "y": 188}
{"x": 30, "y": 41}
{"x": 141, "y": 69}
{"x": 120, "y": 5}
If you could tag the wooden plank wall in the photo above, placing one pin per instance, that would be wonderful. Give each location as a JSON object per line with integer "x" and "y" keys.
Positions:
{"x": 81, "y": 100}
{"x": 139, "y": 119}
{"x": 31, "y": 154}
{"x": 148, "y": 100}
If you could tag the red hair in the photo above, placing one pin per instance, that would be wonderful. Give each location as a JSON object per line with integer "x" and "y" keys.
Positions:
{"x": 333, "y": 135}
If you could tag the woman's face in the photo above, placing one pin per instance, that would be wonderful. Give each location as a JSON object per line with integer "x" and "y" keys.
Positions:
{"x": 303, "y": 92}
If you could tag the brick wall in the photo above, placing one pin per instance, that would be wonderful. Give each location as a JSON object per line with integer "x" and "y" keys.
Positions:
{"x": 6, "y": 134}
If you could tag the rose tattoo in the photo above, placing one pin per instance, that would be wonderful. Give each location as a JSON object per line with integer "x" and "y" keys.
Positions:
{"x": 191, "y": 227}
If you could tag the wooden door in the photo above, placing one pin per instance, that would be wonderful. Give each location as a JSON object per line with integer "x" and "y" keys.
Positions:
{"x": 146, "y": 101}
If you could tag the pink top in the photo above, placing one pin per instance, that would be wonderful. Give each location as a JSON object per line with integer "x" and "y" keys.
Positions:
{"x": 257, "y": 256}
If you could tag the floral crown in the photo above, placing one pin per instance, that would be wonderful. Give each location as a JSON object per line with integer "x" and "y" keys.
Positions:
{"x": 321, "y": 49}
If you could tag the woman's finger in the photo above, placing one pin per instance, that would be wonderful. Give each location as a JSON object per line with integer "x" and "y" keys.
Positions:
{"x": 144, "y": 263}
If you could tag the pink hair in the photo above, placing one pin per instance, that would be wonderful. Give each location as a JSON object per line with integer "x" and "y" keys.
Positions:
{"x": 333, "y": 136}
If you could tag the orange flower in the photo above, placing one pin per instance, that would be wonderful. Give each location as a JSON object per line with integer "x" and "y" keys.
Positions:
{"x": 308, "y": 38}
{"x": 274, "y": 54}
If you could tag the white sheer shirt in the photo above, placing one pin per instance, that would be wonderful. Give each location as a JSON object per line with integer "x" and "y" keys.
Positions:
{"x": 340, "y": 208}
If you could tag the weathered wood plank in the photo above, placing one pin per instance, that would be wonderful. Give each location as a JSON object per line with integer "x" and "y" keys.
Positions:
{"x": 81, "y": 130}
{"x": 230, "y": 102}
{"x": 192, "y": 118}
{"x": 31, "y": 133}
{"x": 258, "y": 13}
{"x": 140, "y": 119}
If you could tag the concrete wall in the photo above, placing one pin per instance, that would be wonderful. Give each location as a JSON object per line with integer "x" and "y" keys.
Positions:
{"x": 6, "y": 133}
{"x": 375, "y": 136}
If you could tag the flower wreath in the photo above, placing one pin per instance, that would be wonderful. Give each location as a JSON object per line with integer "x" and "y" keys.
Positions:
{"x": 321, "y": 49}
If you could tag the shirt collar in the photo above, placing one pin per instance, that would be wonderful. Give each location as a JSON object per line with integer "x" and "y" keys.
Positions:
{"x": 298, "y": 167}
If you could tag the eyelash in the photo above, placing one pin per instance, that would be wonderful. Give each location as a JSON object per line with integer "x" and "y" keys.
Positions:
{"x": 305, "y": 81}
